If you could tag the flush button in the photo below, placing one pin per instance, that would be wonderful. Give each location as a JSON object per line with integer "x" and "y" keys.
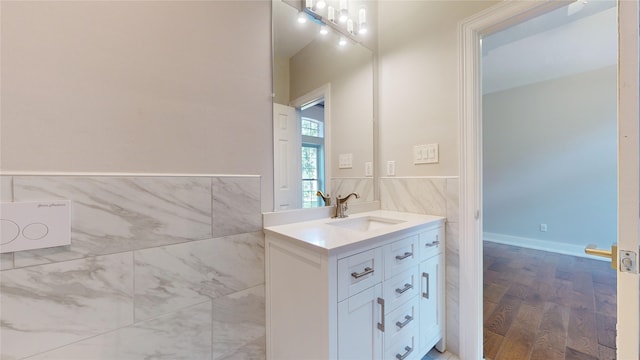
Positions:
{"x": 9, "y": 231}
{"x": 35, "y": 231}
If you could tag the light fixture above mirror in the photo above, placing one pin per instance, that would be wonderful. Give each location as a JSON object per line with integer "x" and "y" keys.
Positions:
{"x": 338, "y": 15}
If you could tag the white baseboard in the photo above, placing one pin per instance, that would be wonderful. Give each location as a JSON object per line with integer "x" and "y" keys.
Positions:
{"x": 537, "y": 244}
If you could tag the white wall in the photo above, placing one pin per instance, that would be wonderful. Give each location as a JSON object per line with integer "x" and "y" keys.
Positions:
{"x": 144, "y": 87}
{"x": 418, "y": 68}
{"x": 550, "y": 157}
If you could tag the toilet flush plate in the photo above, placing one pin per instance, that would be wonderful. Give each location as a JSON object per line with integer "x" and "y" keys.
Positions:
{"x": 34, "y": 225}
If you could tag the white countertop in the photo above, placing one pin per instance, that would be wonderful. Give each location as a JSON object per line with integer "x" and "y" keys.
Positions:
{"x": 322, "y": 235}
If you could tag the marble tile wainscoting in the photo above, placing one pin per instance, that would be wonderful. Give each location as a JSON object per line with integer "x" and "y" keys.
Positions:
{"x": 162, "y": 267}
{"x": 344, "y": 186}
{"x": 434, "y": 196}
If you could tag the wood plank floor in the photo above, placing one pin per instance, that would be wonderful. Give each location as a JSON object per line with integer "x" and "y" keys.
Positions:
{"x": 542, "y": 305}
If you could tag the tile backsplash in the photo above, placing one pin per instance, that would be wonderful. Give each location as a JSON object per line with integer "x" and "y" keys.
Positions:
{"x": 159, "y": 267}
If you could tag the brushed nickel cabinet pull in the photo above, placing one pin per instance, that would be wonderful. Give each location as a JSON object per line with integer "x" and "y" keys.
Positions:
{"x": 407, "y": 320}
{"x": 433, "y": 243}
{"x": 426, "y": 294}
{"x": 407, "y": 286}
{"x": 381, "y": 324}
{"x": 366, "y": 271}
{"x": 408, "y": 350}
{"x": 402, "y": 257}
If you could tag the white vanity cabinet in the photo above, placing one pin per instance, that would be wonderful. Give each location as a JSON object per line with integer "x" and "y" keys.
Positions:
{"x": 368, "y": 295}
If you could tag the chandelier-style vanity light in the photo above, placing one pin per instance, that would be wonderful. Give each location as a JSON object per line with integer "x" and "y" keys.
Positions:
{"x": 335, "y": 15}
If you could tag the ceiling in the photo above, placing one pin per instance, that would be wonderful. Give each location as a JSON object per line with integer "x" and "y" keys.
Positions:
{"x": 551, "y": 46}
{"x": 289, "y": 35}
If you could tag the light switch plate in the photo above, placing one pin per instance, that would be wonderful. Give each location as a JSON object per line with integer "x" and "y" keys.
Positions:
{"x": 368, "y": 168}
{"x": 345, "y": 161}
{"x": 425, "y": 154}
{"x": 391, "y": 168}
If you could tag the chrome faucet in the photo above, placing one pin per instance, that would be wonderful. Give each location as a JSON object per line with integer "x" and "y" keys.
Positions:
{"x": 325, "y": 197}
{"x": 341, "y": 204}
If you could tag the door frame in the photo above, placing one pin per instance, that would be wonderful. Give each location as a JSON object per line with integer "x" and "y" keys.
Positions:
{"x": 470, "y": 32}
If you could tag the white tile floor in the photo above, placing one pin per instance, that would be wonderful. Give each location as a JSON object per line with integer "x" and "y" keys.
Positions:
{"x": 436, "y": 355}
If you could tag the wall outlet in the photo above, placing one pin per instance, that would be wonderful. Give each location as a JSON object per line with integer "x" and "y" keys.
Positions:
{"x": 391, "y": 168}
{"x": 368, "y": 169}
{"x": 543, "y": 227}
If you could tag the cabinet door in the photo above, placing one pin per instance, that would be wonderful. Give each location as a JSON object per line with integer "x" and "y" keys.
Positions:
{"x": 430, "y": 303}
{"x": 360, "y": 319}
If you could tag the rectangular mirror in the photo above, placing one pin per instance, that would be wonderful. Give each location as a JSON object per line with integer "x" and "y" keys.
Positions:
{"x": 323, "y": 105}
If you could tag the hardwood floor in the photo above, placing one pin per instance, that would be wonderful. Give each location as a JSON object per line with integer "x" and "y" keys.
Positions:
{"x": 546, "y": 306}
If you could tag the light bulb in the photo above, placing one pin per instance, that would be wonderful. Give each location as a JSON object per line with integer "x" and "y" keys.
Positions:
{"x": 362, "y": 21}
{"x": 350, "y": 27}
{"x": 321, "y": 4}
{"x": 344, "y": 11}
{"x": 331, "y": 14}
{"x": 342, "y": 41}
{"x": 324, "y": 30}
{"x": 309, "y": 4}
{"x": 302, "y": 17}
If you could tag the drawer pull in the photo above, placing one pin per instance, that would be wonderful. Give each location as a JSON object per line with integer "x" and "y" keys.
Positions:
{"x": 426, "y": 294}
{"x": 366, "y": 271}
{"x": 408, "y": 350}
{"x": 381, "y": 324}
{"x": 406, "y": 287}
{"x": 407, "y": 320}
{"x": 433, "y": 243}
{"x": 402, "y": 257}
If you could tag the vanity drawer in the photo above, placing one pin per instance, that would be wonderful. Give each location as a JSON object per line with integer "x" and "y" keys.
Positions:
{"x": 431, "y": 243}
{"x": 400, "y": 288}
{"x": 400, "y": 255}
{"x": 404, "y": 343}
{"x": 401, "y": 322}
{"x": 359, "y": 272}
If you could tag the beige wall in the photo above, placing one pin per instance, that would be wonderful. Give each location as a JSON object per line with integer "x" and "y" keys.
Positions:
{"x": 281, "y": 80}
{"x": 550, "y": 156}
{"x": 350, "y": 74}
{"x": 160, "y": 87}
{"x": 418, "y": 54}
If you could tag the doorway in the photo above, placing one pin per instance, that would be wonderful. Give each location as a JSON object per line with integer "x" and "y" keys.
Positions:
{"x": 471, "y": 198}
{"x": 549, "y": 170}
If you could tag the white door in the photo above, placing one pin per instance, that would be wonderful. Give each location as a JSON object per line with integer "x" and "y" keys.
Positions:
{"x": 628, "y": 327}
{"x": 286, "y": 159}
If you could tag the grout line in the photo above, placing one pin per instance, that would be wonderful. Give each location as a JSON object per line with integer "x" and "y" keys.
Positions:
{"x": 133, "y": 274}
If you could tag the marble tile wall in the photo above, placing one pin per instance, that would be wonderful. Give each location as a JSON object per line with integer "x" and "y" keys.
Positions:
{"x": 159, "y": 267}
{"x": 345, "y": 186}
{"x": 434, "y": 196}
{"x": 6, "y": 195}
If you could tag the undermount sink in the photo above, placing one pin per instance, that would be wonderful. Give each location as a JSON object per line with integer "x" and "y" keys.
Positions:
{"x": 365, "y": 223}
